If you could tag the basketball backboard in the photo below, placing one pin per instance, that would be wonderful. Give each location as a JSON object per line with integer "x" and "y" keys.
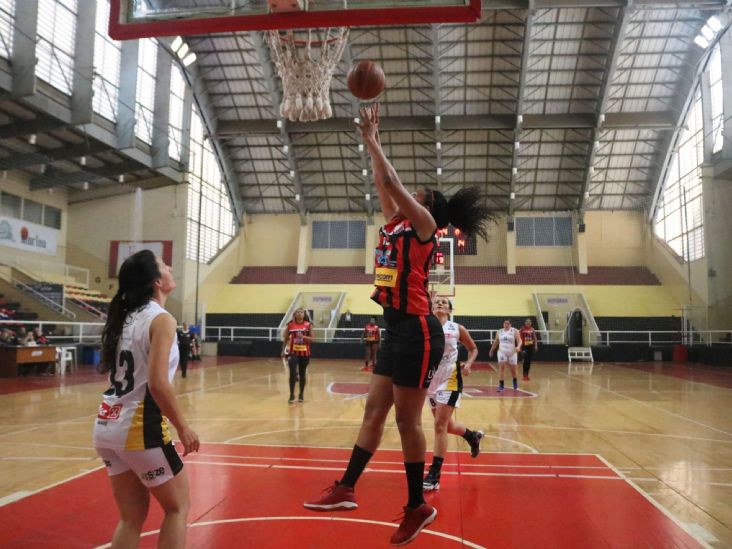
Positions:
{"x": 442, "y": 272}
{"x": 145, "y": 18}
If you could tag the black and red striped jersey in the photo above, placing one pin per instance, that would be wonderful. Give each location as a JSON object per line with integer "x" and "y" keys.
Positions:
{"x": 402, "y": 266}
{"x": 371, "y": 333}
{"x": 297, "y": 345}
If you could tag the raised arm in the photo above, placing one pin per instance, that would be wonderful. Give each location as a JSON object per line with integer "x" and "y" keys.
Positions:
{"x": 392, "y": 193}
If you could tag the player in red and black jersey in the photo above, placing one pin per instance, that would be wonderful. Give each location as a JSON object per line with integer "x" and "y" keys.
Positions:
{"x": 370, "y": 339}
{"x": 529, "y": 345}
{"x": 297, "y": 336}
{"x": 414, "y": 340}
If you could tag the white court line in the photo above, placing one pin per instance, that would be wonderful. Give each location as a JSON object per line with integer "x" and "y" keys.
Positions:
{"x": 43, "y": 458}
{"x": 398, "y": 471}
{"x": 657, "y": 505}
{"x": 58, "y": 483}
{"x": 613, "y": 431}
{"x": 674, "y": 414}
{"x": 299, "y": 429}
{"x": 333, "y": 519}
{"x": 446, "y": 464}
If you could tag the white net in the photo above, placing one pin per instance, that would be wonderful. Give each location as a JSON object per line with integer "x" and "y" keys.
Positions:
{"x": 306, "y": 68}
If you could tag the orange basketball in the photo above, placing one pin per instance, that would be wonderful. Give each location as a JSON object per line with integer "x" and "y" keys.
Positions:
{"x": 366, "y": 79}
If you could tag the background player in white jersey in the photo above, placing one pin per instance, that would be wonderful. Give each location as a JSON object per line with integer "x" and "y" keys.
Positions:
{"x": 508, "y": 342}
{"x": 446, "y": 388}
{"x": 131, "y": 433}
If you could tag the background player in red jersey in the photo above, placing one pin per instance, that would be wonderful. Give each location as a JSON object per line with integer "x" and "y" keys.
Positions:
{"x": 529, "y": 345}
{"x": 297, "y": 336}
{"x": 414, "y": 340}
{"x": 370, "y": 339}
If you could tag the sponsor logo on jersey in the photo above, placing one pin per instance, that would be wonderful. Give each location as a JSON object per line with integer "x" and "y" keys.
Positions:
{"x": 109, "y": 412}
{"x": 385, "y": 276}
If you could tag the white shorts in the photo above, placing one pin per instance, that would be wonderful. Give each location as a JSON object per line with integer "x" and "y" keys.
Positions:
{"x": 450, "y": 398}
{"x": 154, "y": 466}
{"x": 510, "y": 358}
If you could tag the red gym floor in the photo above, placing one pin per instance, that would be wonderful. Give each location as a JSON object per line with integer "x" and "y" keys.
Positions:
{"x": 251, "y": 496}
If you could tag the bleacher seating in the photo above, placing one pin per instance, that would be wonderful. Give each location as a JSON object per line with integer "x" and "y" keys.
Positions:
{"x": 10, "y": 310}
{"x": 92, "y": 301}
{"x": 624, "y": 276}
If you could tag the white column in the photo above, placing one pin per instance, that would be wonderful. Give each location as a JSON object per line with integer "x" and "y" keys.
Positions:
{"x": 303, "y": 248}
{"x": 511, "y": 252}
{"x": 372, "y": 235}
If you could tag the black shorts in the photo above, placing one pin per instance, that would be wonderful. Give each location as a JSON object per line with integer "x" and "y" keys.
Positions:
{"x": 298, "y": 360}
{"x": 411, "y": 349}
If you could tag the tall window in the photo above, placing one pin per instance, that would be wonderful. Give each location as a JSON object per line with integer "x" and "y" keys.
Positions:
{"x": 211, "y": 223}
{"x": 715, "y": 87}
{"x": 680, "y": 218}
{"x": 7, "y": 9}
{"x": 147, "y": 63}
{"x": 177, "y": 91}
{"x": 55, "y": 49}
{"x": 106, "y": 66}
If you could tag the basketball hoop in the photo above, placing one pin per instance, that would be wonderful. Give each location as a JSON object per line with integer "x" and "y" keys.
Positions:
{"x": 305, "y": 74}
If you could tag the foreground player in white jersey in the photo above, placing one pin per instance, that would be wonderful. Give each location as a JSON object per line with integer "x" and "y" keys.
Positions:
{"x": 446, "y": 388}
{"x": 508, "y": 342}
{"x": 131, "y": 433}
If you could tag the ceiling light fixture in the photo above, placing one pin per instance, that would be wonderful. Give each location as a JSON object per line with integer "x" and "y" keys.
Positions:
{"x": 86, "y": 185}
{"x": 121, "y": 179}
{"x": 189, "y": 59}
{"x": 82, "y": 160}
{"x": 439, "y": 171}
{"x": 32, "y": 139}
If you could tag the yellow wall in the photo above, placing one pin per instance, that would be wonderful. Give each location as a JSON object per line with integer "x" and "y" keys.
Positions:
{"x": 615, "y": 238}
{"x": 17, "y": 183}
{"x": 93, "y": 224}
{"x": 271, "y": 240}
{"x": 469, "y": 300}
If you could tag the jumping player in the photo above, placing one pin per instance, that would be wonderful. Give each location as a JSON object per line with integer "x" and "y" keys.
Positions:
{"x": 297, "y": 336}
{"x": 446, "y": 389}
{"x": 529, "y": 345}
{"x": 509, "y": 346}
{"x": 131, "y": 435}
{"x": 370, "y": 339}
{"x": 414, "y": 341}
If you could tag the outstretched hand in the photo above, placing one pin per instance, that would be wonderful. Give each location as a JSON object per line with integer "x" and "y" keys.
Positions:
{"x": 369, "y": 124}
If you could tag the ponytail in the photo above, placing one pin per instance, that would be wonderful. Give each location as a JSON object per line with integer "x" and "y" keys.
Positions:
{"x": 137, "y": 275}
{"x": 464, "y": 211}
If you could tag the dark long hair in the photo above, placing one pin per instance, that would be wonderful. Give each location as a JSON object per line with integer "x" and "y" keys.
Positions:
{"x": 137, "y": 276}
{"x": 464, "y": 211}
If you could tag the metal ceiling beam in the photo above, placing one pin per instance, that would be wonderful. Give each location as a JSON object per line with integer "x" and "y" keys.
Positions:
{"x": 270, "y": 77}
{"x": 437, "y": 91}
{"x": 625, "y": 14}
{"x": 520, "y": 98}
{"x": 22, "y": 128}
{"x": 208, "y": 115}
{"x": 56, "y": 178}
{"x": 662, "y": 120}
{"x": 699, "y": 59}
{"x": 24, "y": 60}
{"x": 15, "y": 161}
{"x": 368, "y": 184}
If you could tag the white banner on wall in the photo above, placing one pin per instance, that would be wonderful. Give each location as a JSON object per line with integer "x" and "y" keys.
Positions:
{"x": 30, "y": 237}
{"x": 126, "y": 249}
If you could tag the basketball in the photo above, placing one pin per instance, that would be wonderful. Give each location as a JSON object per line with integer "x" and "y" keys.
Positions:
{"x": 366, "y": 79}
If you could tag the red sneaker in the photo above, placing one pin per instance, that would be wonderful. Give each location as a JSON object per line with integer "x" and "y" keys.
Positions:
{"x": 334, "y": 497}
{"x": 412, "y": 523}
{"x": 526, "y": 378}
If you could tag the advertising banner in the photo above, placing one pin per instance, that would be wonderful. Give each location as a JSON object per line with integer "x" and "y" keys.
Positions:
{"x": 30, "y": 237}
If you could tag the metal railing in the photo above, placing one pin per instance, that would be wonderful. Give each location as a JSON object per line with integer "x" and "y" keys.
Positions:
{"x": 38, "y": 296}
{"x": 46, "y": 271}
{"x": 603, "y": 337}
{"x": 62, "y": 332}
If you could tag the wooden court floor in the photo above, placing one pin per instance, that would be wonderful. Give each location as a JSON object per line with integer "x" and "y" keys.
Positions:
{"x": 622, "y": 455}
